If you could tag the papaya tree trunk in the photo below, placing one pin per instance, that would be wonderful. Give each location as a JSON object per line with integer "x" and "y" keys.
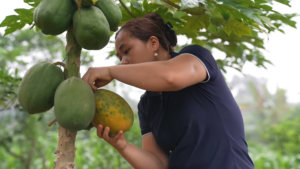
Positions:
{"x": 66, "y": 150}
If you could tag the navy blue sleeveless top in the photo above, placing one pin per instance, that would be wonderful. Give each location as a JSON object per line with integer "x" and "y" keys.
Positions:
{"x": 200, "y": 126}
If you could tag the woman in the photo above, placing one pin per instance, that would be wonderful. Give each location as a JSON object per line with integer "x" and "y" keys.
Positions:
{"x": 188, "y": 116}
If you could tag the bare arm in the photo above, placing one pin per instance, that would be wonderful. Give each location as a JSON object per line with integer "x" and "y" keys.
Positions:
{"x": 149, "y": 157}
{"x": 174, "y": 74}
{"x": 171, "y": 75}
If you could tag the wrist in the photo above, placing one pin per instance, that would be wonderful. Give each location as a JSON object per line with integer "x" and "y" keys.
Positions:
{"x": 123, "y": 148}
{"x": 110, "y": 72}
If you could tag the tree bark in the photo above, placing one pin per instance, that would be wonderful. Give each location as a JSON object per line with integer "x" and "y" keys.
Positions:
{"x": 66, "y": 150}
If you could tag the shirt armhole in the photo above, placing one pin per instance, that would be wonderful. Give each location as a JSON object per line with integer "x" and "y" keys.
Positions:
{"x": 208, "y": 75}
{"x": 146, "y": 134}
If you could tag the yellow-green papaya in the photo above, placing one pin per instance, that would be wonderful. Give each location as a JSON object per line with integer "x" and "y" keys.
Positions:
{"x": 112, "y": 13}
{"x": 54, "y": 17}
{"x": 74, "y": 104}
{"x": 38, "y": 86}
{"x": 91, "y": 28}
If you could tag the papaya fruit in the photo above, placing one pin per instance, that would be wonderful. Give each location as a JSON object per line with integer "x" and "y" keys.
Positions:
{"x": 54, "y": 17}
{"x": 112, "y": 111}
{"x": 112, "y": 13}
{"x": 91, "y": 29}
{"x": 74, "y": 104}
{"x": 85, "y": 3}
{"x": 37, "y": 88}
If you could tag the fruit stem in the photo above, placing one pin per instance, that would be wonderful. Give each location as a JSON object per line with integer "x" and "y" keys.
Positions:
{"x": 52, "y": 122}
{"x": 60, "y": 63}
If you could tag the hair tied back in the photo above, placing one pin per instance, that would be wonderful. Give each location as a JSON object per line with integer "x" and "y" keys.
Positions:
{"x": 167, "y": 26}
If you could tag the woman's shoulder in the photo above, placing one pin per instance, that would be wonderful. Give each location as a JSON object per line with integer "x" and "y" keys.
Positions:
{"x": 193, "y": 48}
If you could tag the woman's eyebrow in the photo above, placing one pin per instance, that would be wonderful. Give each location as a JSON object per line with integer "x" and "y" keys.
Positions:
{"x": 121, "y": 46}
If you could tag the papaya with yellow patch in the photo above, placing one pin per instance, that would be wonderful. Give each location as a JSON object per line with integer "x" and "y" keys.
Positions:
{"x": 112, "y": 111}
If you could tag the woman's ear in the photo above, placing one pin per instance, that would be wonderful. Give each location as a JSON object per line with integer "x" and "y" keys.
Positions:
{"x": 154, "y": 43}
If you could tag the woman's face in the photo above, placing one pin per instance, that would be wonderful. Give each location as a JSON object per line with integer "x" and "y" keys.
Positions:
{"x": 131, "y": 50}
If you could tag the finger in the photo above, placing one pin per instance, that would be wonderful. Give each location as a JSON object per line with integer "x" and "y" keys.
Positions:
{"x": 91, "y": 81}
{"x": 98, "y": 83}
{"x": 100, "y": 131}
{"x": 86, "y": 75}
{"x": 119, "y": 135}
{"x": 87, "y": 78}
{"x": 105, "y": 134}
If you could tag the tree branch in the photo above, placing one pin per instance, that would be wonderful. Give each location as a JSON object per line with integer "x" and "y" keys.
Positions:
{"x": 125, "y": 7}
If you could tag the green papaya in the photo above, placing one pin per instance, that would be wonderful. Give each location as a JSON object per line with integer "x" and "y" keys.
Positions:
{"x": 86, "y": 2}
{"x": 74, "y": 104}
{"x": 112, "y": 13}
{"x": 54, "y": 17}
{"x": 91, "y": 29}
{"x": 38, "y": 86}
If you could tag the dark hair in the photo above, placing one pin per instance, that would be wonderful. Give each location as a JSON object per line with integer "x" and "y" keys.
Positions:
{"x": 150, "y": 25}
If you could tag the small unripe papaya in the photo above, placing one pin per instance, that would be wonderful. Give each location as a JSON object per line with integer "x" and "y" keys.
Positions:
{"x": 74, "y": 104}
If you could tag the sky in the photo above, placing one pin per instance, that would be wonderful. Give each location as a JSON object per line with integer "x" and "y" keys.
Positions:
{"x": 281, "y": 49}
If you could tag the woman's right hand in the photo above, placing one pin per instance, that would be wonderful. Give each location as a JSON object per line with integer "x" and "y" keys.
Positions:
{"x": 118, "y": 141}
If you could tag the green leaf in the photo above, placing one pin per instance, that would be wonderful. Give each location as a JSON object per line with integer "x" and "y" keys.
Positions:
{"x": 285, "y": 2}
{"x": 196, "y": 22}
{"x": 191, "y": 3}
{"x": 136, "y": 9}
{"x": 267, "y": 21}
{"x": 224, "y": 12}
{"x": 150, "y": 7}
{"x": 284, "y": 18}
{"x": 13, "y": 27}
{"x": 16, "y": 71}
{"x": 9, "y": 20}
{"x": 33, "y": 3}
{"x": 26, "y": 15}
{"x": 237, "y": 27}
{"x": 175, "y": 1}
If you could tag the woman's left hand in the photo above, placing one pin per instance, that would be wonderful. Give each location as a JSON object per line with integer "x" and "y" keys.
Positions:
{"x": 97, "y": 77}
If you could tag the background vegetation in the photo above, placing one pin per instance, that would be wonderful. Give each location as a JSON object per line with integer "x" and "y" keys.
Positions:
{"x": 234, "y": 27}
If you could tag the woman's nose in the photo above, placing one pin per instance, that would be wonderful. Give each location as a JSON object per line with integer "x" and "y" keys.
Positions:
{"x": 124, "y": 62}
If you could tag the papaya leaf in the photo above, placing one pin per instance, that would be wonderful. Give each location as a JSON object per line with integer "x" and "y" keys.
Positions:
{"x": 9, "y": 20}
{"x": 15, "y": 22}
{"x": 26, "y": 15}
{"x": 13, "y": 27}
{"x": 33, "y": 3}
